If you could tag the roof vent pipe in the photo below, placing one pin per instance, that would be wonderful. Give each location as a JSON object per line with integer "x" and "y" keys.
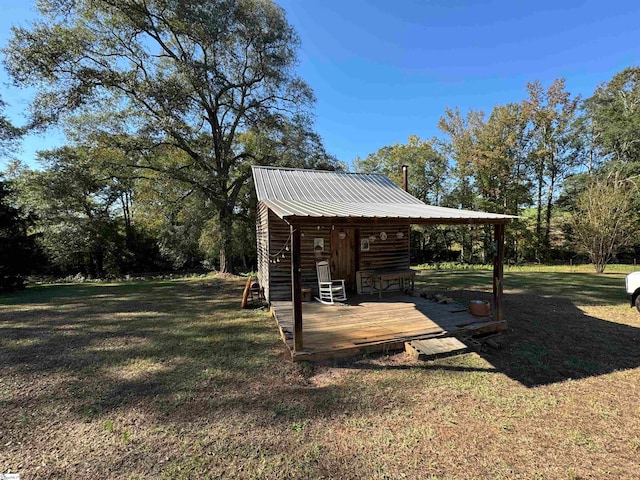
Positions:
{"x": 405, "y": 180}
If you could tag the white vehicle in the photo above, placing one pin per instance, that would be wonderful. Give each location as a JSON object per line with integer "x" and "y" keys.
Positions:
{"x": 632, "y": 283}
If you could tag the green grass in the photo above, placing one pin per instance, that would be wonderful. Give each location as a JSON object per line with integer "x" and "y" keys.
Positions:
{"x": 531, "y": 268}
{"x": 170, "y": 379}
{"x": 581, "y": 288}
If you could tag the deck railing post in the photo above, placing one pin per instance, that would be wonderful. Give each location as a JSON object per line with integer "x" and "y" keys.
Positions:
{"x": 498, "y": 271}
{"x": 296, "y": 289}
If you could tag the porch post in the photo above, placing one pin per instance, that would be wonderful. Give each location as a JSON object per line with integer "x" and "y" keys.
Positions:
{"x": 498, "y": 271}
{"x": 296, "y": 288}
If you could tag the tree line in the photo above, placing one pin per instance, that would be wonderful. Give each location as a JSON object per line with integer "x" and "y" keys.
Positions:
{"x": 166, "y": 105}
{"x": 567, "y": 167}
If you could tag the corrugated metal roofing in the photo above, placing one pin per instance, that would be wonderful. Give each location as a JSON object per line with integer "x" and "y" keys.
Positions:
{"x": 322, "y": 186}
{"x": 317, "y": 194}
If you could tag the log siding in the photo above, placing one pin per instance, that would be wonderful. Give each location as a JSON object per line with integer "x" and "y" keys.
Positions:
{"x": 391, "y": 253}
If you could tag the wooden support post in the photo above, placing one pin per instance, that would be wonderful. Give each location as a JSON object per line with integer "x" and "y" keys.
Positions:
{"x": 498, "y": 272}
{"x": 296, "y": 289}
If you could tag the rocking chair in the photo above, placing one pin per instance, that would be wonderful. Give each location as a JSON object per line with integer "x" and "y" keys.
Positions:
{"x": 331, "y": 291}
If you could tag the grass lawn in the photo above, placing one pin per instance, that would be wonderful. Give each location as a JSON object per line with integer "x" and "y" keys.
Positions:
{"x": 170, "y": 379}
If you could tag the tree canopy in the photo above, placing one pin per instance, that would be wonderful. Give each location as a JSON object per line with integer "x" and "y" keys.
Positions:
{"x": 614, "y": 110}
{"x": 186, "y": 75}
{"x": 428, "y": 168}
{"x": 9, "y": 133}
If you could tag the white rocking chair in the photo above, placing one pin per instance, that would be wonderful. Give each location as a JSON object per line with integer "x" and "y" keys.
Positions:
{"x": 331, "y": 291}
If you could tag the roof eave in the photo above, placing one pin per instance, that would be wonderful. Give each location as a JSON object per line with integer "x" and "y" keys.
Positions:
{"x": 298, "y": 219}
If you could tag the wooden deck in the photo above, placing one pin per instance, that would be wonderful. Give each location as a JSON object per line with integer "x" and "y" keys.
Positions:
{"x": 369, "y": 324}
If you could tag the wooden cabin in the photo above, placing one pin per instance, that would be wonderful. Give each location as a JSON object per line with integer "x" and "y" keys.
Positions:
{"x": 357, "y": 222}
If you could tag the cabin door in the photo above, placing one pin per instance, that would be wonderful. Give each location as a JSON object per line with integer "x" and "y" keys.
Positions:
{"x": 343, "y": 256}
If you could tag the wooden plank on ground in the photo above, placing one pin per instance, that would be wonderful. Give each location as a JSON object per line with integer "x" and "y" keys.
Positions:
{"x": 245, "y": 294}
{"x": 435, "y": 348}
{"x": 486, "y": 327}
{"x": 394, "y": 335}
{"x": 472, "y": 319}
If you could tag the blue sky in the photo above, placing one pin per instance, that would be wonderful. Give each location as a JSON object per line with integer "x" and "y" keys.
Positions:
{"x": 382, "y": 70}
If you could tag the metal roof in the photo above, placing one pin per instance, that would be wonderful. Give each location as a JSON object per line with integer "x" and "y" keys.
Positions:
{"x": 321, "y": 194}
{"x": 323, "y": 186}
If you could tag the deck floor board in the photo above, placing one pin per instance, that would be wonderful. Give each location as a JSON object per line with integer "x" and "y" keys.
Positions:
{"x": 367, "y": 323}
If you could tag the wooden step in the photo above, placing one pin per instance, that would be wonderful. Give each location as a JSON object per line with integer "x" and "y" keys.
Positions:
{"x": 435, "y": 348}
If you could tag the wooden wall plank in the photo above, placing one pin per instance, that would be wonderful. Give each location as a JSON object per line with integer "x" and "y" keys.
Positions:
{"x": 296, "y": 292}
{"x": 391, "y": 253}
{"x": 280, "y": 259}
{"x": 262, "y": 240}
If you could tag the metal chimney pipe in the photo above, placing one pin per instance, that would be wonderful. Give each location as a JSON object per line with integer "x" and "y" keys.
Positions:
{"x": 405, "y": 179}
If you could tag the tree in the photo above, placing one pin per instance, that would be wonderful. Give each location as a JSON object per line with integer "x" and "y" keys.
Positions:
{"x": 555, "y": 150}
{"x": 502, "y": 172}
{"x": 191, "y": 75}
{"x": 463, "y": 133}
{"x": 605, "y": 217}
{"x": 427, "y": 180}
{"x": 176, "y": 216}
{"x": 79, "y": 225}
{"x": 427, "y": 167}
{"x": 17, "y": 248}
{"x": 614, "y": 110}
{"x": 500, "y": 160}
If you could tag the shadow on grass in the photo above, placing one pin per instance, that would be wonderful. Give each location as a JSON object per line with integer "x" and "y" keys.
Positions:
{"x": 103, "y": 347}
{"x": 550, "y": 339}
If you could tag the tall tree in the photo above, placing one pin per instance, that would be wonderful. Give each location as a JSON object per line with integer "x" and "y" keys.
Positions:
{"x": 614, "y": 110}
{"x": 462, "y": 132}
{"x": 17, "y": 248}
{"x": 555, "y": 151}
{"x": 502, "y": 173}
{"x": 192, "y": 75}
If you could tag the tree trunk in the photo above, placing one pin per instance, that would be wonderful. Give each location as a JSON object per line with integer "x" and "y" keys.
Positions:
{"x": 467, "y": 244}
{"x": 97, "y": 256}
{"x": 599, "y": 265}
{"x": 539, "y": 218}
{"x": 547, "y": 229}
{"x": 425, "y": 245}
{"x": 488, "y": 245}
{"x": 125, "y": 200}
{"x": 226, "y": 238}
